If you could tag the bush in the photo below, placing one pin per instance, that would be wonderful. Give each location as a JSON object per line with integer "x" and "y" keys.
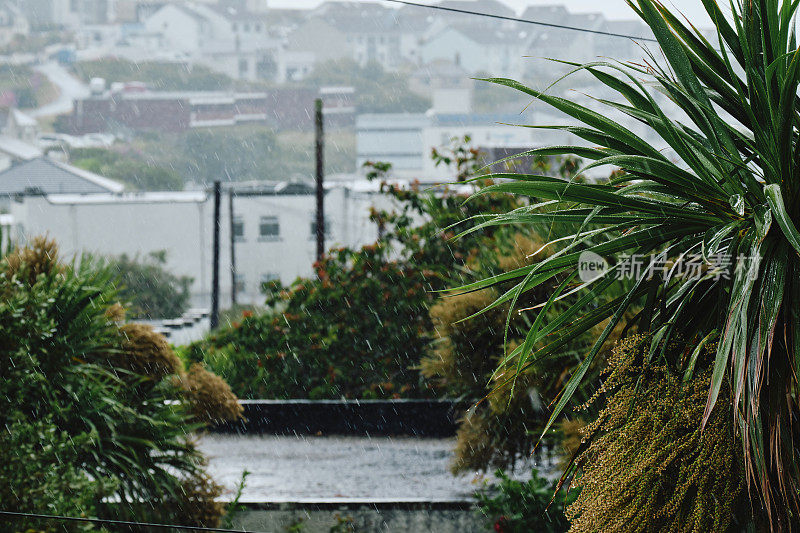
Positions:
{"x": 513, "y": 506}
{"x": 100, "y": 395}
{"x": 149, "y": 288}
{"x": 40, "y": 473}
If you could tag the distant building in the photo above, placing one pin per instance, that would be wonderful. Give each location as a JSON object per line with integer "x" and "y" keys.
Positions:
{"x": 224, "y": 36}
{"x": 312, "y": 41}
{"x": 21, "y": 126}
{"x": 448, "y": 85}
{"x": 175, "y": 111}
{"x": 476, "y": 48}
{"x": 372, "y": 30}
{"x": 13, "y": 22}
{"x": 395, "y": 138}
{"x": 407, "y": 140}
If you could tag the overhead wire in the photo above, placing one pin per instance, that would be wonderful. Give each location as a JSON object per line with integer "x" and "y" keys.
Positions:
{"x": 105, "y": 521}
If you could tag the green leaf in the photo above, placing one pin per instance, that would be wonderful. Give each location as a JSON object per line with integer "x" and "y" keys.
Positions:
{"x": 775, "y": 200}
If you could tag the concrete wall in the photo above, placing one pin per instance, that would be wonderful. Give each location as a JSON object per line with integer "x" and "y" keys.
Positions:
{"x": 441, "y": 517}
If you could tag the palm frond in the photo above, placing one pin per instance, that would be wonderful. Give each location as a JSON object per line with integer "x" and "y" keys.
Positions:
{"x": 738, "y": 155}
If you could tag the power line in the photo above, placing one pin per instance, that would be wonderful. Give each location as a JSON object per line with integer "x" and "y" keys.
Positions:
{"x": 119, "y": 522}
{"x": 525, "y": 21}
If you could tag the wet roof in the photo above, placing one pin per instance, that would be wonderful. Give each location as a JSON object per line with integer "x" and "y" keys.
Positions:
{"x": 45, "y": 176}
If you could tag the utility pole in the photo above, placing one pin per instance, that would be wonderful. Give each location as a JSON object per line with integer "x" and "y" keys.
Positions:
{"x": 233, "y": 247}
{"x": 320, "y": 153}
{"x": 215, "y": 267}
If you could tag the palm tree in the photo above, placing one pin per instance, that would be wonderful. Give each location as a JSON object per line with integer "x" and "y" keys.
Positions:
{"x": 730, "y": 191}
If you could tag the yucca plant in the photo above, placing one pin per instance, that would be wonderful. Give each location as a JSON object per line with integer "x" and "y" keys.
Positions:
{"x": 731, "y": 190}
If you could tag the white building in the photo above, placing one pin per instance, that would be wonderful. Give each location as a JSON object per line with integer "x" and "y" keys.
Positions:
{"x": 478, "y": 49}
{"x": 13, "y": 23}
{"x": 273, "y": 230}
{"x": 227, "y": 39}
{"x": 407, "y": 140}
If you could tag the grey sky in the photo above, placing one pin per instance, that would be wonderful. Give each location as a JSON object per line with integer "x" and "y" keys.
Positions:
{"x": 613, "y": 9}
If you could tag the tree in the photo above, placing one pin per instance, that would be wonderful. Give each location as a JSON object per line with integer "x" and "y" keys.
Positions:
{"x": 730, "y": 203}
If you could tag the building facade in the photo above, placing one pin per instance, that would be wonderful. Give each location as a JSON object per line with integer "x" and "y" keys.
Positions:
{"x": 271, "y": 230}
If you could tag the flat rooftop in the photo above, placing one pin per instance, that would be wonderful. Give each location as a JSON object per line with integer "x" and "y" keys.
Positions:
{"x": 338, "y": 469}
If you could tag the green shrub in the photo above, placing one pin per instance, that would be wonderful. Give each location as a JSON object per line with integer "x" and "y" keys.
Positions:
{"x": 149, "y": 288}
{"x": 127, "y": 166}
{"x": 513, "y": 506}
{"x": 103, "y": 393}
{"x": 161, "y": 76}
{"x": 40, "y": 473}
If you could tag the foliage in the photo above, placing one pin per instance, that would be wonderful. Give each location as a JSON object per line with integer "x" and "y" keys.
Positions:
{"x": 649, "y": 466}
{"x": 468, "y": 356}
{"x": 102, "y": 392}
{"x": 150, "y": 289}
{"x": 357, "y": 328}
{"x": 234, "y": 507}
{"x": 729, "y": 190}
{"x": 316, "y": 346}
{"x": 160, "y": 76}
{"x": 128, "y": 167}
{"x": 513, "y": 506}
{"x": 40, "y": 474}
{"x": 376, "y": 91}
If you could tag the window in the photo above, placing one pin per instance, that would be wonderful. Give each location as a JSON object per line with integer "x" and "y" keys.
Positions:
{"x": 243, "y": 67}
{"x": 267, "y": 277}
{"x": 269, "y": 228}
{"x": 238, "y": 229}
{"x": 326, "y": 228}
{"x": 238, "y": 281}
{"x": 269, "y": 281}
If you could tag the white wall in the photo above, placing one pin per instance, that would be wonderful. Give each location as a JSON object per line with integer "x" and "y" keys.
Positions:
{"x": 182, "y": 224}
{"x": 106, "y": 225}
{"x": 180, "y": 31}
{"x": 452, "y": 45}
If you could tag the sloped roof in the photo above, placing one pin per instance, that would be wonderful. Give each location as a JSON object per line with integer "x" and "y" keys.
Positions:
{"x": 44, "y": 175}
{"x": 18, "y": 149}
{"x": 491, "y": 7}
{"x": 358, "y": 17}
